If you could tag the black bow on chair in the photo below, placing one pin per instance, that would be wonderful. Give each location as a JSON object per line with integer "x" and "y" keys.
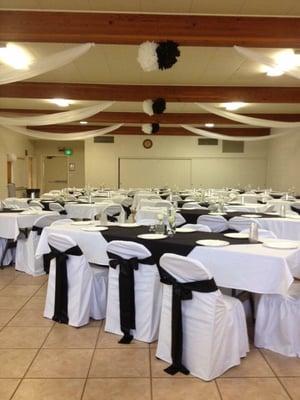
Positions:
{"x": 37, "y": 229}
{"x": 181, "y": 291}
{"x": 61, "y": 282}
{"x": 113, "y": 218}
{"x": 126, "y": 291}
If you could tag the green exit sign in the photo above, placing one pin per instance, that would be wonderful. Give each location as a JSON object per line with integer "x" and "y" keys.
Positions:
{"x": 68, "y": 152}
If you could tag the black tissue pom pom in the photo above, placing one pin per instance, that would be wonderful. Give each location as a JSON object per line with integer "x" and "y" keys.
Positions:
{"x": 155, "y": 128}
{"x": 167, "y": 53}
{"x": 159, "y": 106}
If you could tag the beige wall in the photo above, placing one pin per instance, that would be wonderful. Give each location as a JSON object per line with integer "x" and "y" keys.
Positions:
{"x": 11, "y": 142}
{"x": 45, "y": 148}
{"x": 209, "y": 166}
{"x": 284, "y": 162}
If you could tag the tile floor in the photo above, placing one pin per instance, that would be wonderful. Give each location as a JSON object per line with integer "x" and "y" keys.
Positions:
{"x": 42, "y": 360}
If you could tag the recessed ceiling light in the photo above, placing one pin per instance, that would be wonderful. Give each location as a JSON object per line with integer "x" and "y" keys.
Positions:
{"x": 209, "y": 125}
{"x": 274, "y": 71}
{"x": 61, "y": 102}
{"x": 15, "y": 56}
{"x": 83, "y": 122}
{"x": 234, "y": 105}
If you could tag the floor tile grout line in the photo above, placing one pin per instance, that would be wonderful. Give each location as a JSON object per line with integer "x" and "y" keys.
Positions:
{"x": 276, "y": 375}
{"x": 91, "y": 361}
{"x": 218, "y": 388}
{"x": 150, "y": 367}
{"x": 21, "y": 308}
{"x": 32, "y": 361}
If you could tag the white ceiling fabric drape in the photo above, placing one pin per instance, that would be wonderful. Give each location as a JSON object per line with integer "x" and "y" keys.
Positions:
{"x": 63, "y": 136}
{"x": 262, "y": 59}
{"x": 219, "y": 136}
{"x": 266, "y": 123}
{"x": 45, "y": 64}
{"x": 56, "y": 118}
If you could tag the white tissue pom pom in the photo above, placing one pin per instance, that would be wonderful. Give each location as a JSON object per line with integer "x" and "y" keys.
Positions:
{"x": 147, "y": 107}
{"x": 147, "y": 57}
{"x": 147, "y": 128}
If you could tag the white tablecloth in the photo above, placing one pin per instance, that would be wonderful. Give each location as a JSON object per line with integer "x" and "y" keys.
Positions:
{"x": 17, "y": 201}
{"x": 284, "y": 228}
{"x": 249, "y": 267}
{"x": 11, "y": 223}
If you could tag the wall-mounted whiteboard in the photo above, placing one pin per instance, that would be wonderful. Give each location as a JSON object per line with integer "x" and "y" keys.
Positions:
{"x": 154, "y": 172}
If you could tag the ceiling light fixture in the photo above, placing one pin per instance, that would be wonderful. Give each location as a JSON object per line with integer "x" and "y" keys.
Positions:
{"x": 83, "y": 122}
{"x": 15, "y": 56}
{"x": 61, "y": 102}
{"x": 209, "y": 125}
{"x": 273, "y": 71}
{"x": 234, "y": 105}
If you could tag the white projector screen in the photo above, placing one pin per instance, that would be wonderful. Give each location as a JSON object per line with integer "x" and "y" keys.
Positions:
{"x": 154, "y": 172}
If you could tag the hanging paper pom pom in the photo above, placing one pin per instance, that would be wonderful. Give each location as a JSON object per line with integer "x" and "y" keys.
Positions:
{"x": 159, "y": 106}
{"x": 147, "y": 128}
{"x": 148, "y": 107}
{"x": 155, "y": 128}
{"x": 150, "y": 128}
{"x": 167, "y": 53}
{"x": 147, "y": 57}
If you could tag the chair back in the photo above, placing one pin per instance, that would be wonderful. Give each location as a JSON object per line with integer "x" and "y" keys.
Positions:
{"x": 198, "y": 227}
{"x": 127, "y": 249}
{"x": 241, "y": 223}
{"x": 191, "y": 205}
{"x": 56, "y": 207}
{"x": 62, "y": 221}
{"x": 217, "y": 223}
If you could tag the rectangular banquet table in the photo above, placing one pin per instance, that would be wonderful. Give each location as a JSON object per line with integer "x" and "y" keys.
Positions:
{"x": 250, "y": 267}
{"x": 12, "y": 222}
{"x": 86, "y": 210}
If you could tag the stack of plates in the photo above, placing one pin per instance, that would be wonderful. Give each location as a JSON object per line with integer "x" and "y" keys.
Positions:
{"x": 186, "y": 230}
{"x": 237, "y": 235}
{"x": 152, "y": 236}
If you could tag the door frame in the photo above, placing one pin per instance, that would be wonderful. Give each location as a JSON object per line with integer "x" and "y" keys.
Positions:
{"x": 44, "y": 156}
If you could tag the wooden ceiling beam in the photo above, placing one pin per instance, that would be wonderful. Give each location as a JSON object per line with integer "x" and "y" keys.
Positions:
{"x": 164, "y": 131}
{"x": 124, "y": 28}
{"x": 98, "y": 92}
{"x": 166, "y": 118}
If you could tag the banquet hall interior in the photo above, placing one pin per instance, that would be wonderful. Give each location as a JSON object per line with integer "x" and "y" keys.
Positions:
{"x": 149, "y": 199}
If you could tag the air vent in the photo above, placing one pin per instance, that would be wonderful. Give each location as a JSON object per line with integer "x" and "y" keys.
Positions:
{"x": 232, "y": 147}
{"x": 207, "y": 142}
{"x": 104, "y": 139}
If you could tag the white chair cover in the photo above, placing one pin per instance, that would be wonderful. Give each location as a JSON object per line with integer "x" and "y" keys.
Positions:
{"x": 62, "y": 221}
{"x": 148, "y": 292}
{"x": 36, "y": 204}
{"x": 26, "y": 248}
{"x": 198, "y": 227}
{"x": 179, "y": 219}
{"x": 241, "y": 223}
{"x": 277, "y": 325}
{"x": 111, "y": 211}
{"x": 217, "y": 223}
{"x": 149, "y": 213}
{"x": 87, "y": 286}
{"x": 9, "y": 254}
{"x": 214, "y": 325}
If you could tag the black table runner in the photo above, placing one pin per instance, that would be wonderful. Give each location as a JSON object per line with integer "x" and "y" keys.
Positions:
{"x": 191, "y": 216}
{"x": 181, "y": 243}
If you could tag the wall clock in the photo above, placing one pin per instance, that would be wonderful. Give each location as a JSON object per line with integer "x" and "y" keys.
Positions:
{"x": 147, "y": 143}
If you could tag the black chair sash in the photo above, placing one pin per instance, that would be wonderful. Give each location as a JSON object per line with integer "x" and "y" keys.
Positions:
{"x": 180, "y": 292}
{"x": 113, "y": 218}
{"x": 61, "y": 282}
{"x": 37, "y": 229}
{"x": 126, "y": 290}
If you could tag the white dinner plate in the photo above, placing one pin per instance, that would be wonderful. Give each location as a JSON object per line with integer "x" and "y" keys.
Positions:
{"x": 237, "y": 235}
{"x": 185, "y": 230}
{"x": 280, "y": 244}
{"x": 82, "y": 223}
{"x": 251, "y": 215}
{"x": 212, "y": 243}
{"x": 129, "y": 225}
{"x": 152, "y": 236}
{"x": 217, "y": 213}
{"x": 94, "y": 228}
